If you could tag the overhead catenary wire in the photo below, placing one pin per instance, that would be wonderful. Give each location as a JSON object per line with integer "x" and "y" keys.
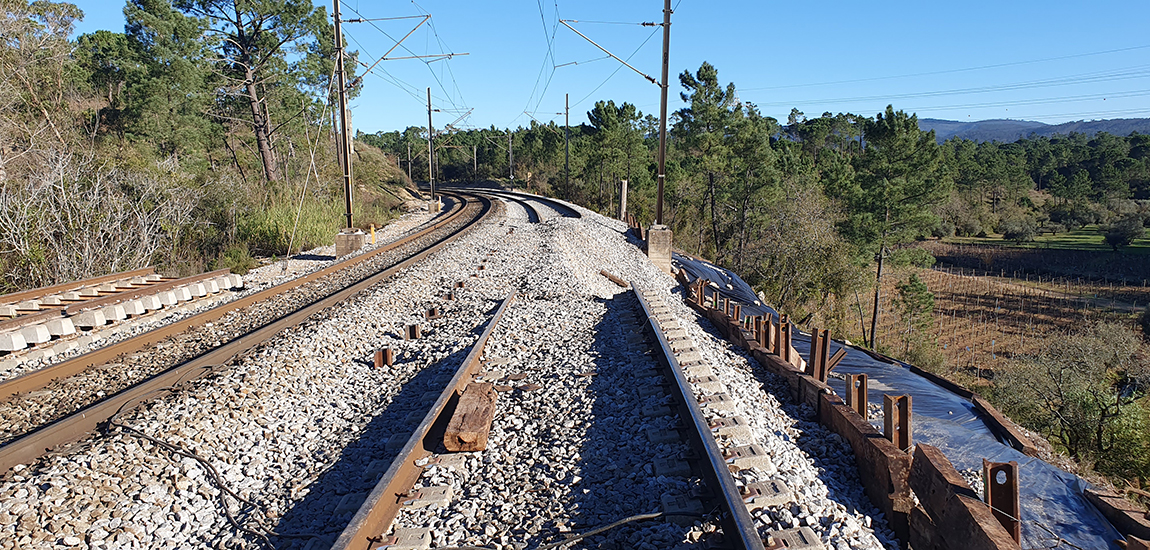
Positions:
{"x": 438, "y": 80}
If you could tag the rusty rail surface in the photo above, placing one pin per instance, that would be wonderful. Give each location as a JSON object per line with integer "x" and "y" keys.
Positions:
{"x": 564, "y": 210}
{"x": 384, "y": 502}
{"x": 34, "y": 293}
{"x": 35, "y": 444}
{"x": 101, "y": 301}
{"x": 738, "y": 527}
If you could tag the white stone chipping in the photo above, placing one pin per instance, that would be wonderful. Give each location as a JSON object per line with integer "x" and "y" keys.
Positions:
{"x": 302, "y": 425}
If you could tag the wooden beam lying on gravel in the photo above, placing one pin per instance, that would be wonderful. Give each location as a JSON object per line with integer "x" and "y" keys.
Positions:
{"x": 471, "y": 424}
{"x": 614, "y": 279}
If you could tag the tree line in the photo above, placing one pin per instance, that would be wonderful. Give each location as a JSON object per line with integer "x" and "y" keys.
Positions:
{"x": 808, "y": 210}
{"x": 198, "y": 137}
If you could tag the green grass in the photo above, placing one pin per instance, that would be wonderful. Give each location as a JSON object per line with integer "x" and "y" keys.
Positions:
{"x": 1087, "y": 238}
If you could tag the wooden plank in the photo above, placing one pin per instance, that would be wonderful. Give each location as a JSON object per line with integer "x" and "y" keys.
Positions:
{"x": 471, "y": 423}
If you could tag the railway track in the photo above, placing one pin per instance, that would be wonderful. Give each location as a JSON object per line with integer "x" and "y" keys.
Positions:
{"x": 45, "y": 322}
{"x": 62, "y": 403}
{"x": 290, "y": 445}
{"x": 705, "y": 490}
{"x": 530, "y": 203}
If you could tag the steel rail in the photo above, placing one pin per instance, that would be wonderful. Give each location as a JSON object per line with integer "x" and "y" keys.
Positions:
{"x": 377, "y": 513}
{"x": 74, "y": 427}
{"x": 34, "y": 293}
{"x": 122, "y": 296}
{"x": 738, "y": 526}
{"x": 533, "y": 214}
{"x": 40, "y": 378}
{"x": 563, "y": 209}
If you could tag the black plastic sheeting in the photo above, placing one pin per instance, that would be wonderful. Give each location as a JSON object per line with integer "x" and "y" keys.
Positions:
{"x": 1053, "y": 505}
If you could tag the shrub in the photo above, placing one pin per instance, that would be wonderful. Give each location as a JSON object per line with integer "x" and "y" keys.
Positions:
{"x": 1018, "y": 229}
{"x": 912, "y": 256}
{"x": 1124, "y": 231}
{"x": 237, "y": 258}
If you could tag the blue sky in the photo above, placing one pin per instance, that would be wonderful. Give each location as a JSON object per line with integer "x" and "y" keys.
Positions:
{"x": 1051, "y": 61}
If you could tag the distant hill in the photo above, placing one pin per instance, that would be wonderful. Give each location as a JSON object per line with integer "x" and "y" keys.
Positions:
{"x": 1006, "y": 130}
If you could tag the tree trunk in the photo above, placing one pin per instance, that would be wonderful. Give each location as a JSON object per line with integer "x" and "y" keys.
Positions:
{"x": 260, "y": 126}
{"x": 714, "y": 218}
{"x": 877, "y": 292}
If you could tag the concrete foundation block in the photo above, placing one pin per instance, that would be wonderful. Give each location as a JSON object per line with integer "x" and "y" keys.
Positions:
{"x": 153, "y": 278}
{"x": 349, "y": 241}
{"x": 183, "y": 294}
{"x": 108, "y": 287}
{"x": 12, "y": 341}
{"x": 151, "y": 303}
{"x": 237, "y": 281}
{"x": 211, "y": 286}
{"x": 29, "y": 305}
{"x": 167, "y": 298}
{"x": 90, "y": 319}
{"x": 198, "y": 290}
{"x": 223, "y": 282}
{"x": 139, "y": 281}
{"x": 61, "y": 327}
{"x": 134, "y": 308}
{"x": 659, "y": 247}
{"x": 36, "y": 334}
{"x": 73, "y": 296}
{"x": 89, "y": 292}
{"x": 64, "y": 347}
{"x": 115, "y": 313}
{"x": 8, "y": 311}
{"x": 53, "y": 300}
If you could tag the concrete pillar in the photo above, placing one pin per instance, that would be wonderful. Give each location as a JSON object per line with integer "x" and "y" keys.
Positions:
{"x": 659, "y": 247}
{"x": 348, "y": 241}
{"x": 623, "y": 201}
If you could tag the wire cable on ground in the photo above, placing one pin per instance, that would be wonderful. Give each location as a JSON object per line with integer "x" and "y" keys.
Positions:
{"x": 581, "y": 536}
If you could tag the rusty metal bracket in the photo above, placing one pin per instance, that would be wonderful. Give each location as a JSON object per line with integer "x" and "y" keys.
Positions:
{"x": 1000, "y": 482}
{"x": 856, "y": 393}
{"x": 896, "y": 410}
{"x": 383, "y": 357}
{"x": 412, "y": 332}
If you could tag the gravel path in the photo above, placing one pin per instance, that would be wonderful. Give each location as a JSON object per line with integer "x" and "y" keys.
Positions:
{"x": 303, "y": 426}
